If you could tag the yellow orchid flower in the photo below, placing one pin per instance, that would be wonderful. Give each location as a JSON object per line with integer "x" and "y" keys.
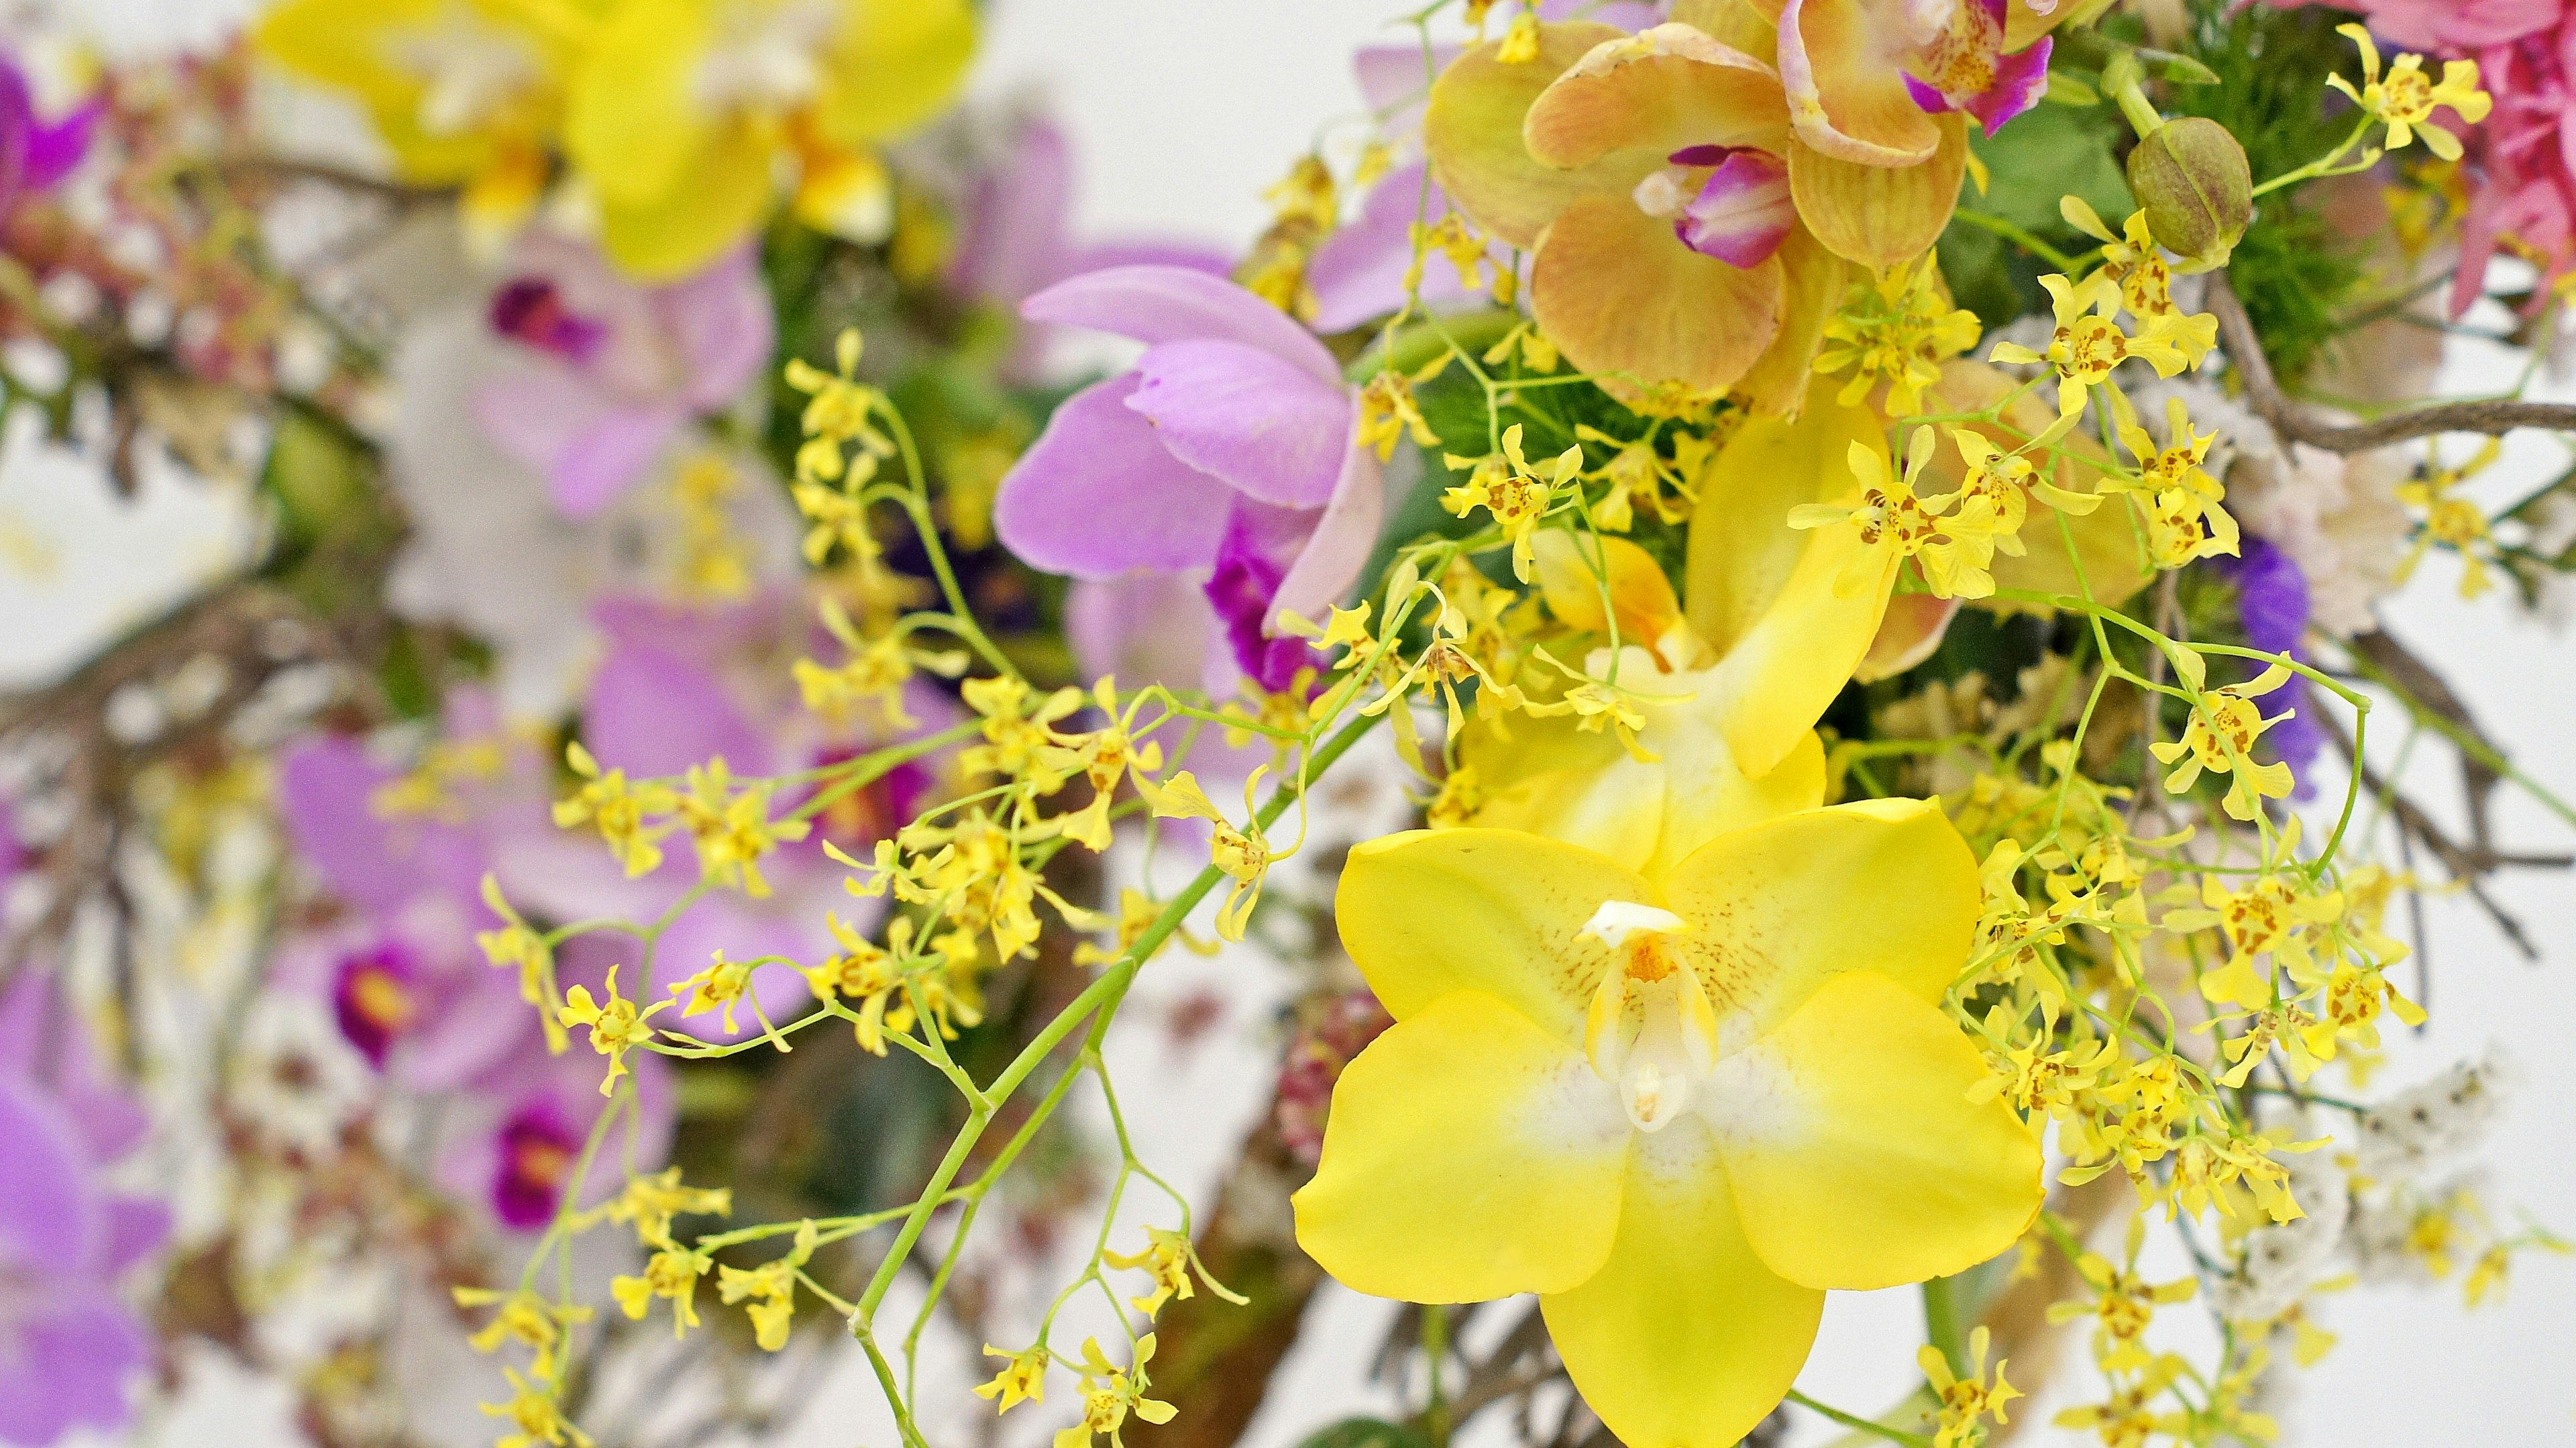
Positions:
{"x": 1678, "y": 1111}
{"x": 1733, "y": 683}
{"x": 684, "y": 111}
{"x": 463, "y": 92}
{"x": 2405, "y": 98}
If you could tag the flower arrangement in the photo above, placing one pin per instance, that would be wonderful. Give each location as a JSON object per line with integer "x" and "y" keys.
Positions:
{"x": 1764, "y": 607}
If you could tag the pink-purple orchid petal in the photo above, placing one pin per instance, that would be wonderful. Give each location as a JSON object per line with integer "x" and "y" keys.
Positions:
{"x": 327, "y": 789}
{"x": 1330, "y": 562}
{"x": 1742, "y": 212}
{"x": 1265, "y": 426}
{"x": 1099, "y": 494}
{"x": 2019, "y": 81}
{"x": 1157, "y": 304}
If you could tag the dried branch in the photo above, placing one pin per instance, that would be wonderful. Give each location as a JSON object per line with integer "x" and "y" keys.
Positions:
{"x": 2469, "y": 865}
{"x": 2429, "y": 691}
{"x": 2245, "y": 353}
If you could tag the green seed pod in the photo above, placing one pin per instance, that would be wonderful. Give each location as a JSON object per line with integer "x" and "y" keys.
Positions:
{"x": 2191, "y": 177}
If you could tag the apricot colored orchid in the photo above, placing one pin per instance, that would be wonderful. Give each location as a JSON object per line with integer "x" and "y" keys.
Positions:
{"x": 1680, "y": 1111}
{"x": 1868, "y": 79}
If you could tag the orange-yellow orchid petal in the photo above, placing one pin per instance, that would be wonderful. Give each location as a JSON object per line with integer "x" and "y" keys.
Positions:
{"x": 1472, "y": 133}
{"x": 1619, "y": 295}
{"x": 1880, "y": 216}
{"x": 1656, "y": 92}
{"x": 1816, "y": 279}
{"x": 1841, "y": 61}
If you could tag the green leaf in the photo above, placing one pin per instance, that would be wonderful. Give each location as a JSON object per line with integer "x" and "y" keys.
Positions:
{"x": 1367, "y": 1433}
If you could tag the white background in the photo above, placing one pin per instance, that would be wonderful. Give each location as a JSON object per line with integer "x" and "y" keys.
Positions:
{"x": 1182, "y": 111}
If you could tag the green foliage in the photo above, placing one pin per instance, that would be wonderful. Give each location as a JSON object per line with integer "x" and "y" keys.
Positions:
{"x": 2294, "y": 276}
{"x": 2056, "y": 151}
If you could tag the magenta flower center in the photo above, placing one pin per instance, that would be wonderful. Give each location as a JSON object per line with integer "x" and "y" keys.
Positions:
{"x": 532, "y": 310}
{"x": 537, "y": 1153}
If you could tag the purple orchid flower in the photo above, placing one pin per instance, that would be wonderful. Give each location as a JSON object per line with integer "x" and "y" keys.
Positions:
{"x": 1743, "y": 211}
{"x": 608, "y": 373}
{"x": 69, "y": 1347}
{"x": 2272, "y": 602}
{"x": 36, "y": 154}
{"x": 1017, "y": 235}
{"x": 1970, "y": 72}
{"x": 1230, "y": 450}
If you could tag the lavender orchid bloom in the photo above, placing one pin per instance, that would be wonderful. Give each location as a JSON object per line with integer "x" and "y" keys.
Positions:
{"x": 36, "y": 154}
{"x": 69, "y": 1347}
{"x": 607, "y": 373}
{"x": 1017, "y": 235}
{"x": 404, "y": 979}
{"x": 1229, "y": 453}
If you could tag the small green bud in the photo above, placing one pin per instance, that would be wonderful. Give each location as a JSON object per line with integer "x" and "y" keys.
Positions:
{"x": 2198, "y": 192}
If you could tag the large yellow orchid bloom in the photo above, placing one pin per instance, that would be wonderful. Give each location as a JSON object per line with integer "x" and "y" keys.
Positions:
{"x": 1680, "y": 1111}
{"x": 684, "y": 113}
{"x": 1766, "y": 641}
{"x": 463, "y": 92}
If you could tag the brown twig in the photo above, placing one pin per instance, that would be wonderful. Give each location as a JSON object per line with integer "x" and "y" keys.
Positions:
{"x": 2431, "y": 692}
{"x": 2245, "y": 353}
{"x": 2467, "y": 864}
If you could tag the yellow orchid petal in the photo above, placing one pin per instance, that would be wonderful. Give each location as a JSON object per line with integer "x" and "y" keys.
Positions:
{"x": 1772, "y": 906}
{"x": 1858, "y": 1161}
{"x": 2107, "y": 539}
{"x": 1574, "y": 572}
{"x": 1738, "y": 24}
{"x": 1777, "y": 384}
{"x": 633, "y": 124}
{"x": 1684, "y": 1339}
{"x": 1618, "y": 293}
{"x": 1764, "y": 596}
{"x": 1839, "y": 60}
{"x": 1880, "y": 216}
{"x": 1472, "y": 133}
{"x": 1550, "y": 777}
{"x": 1661, "y": 90}
{"x": 893, "y": 65}
{"x": 1469, "y": 1156}
{"x": 1908, "y": 635}
{"x": 1426, "y": 913}
{"x": 2025, "y": 22}
{"x": 678, "y": 233}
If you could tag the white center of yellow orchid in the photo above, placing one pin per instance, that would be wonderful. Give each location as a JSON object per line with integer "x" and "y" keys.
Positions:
{"x": 468, "y": 70}
{"x": 764, "y": 57}
{"x": 1650, "y": 1031}
{"x": 1663, "y": 194}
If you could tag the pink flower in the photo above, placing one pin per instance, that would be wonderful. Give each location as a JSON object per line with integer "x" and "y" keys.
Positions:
{"x": 2521, "y": 162}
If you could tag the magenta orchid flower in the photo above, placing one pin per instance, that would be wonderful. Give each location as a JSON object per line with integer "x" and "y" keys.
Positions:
{"x": 36, "y": 153}
{"x": 1229, "y": 453}
{"x": 606, "y": 373}
{"x": 70, "y": 1349}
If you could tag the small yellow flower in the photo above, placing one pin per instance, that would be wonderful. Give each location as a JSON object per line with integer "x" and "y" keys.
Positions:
{"x": 652, "y": 1202}
{"x": 1897, "y": 330}
{"x": 1243, "y": 855}
{"x": 2405, "y": 98}
{"x": 536, "y": 1415}
{"x": 1021, "y": 1380}
{"x": 527, "y": 1319}
{"x": 2088, "y": 345}
{"x": 622, "y": 812}
{"x": 1965, "y": 1401}
{"x": 2455, "y": 522}
{"x": 866, "y": 973}
{"x": 771, "y": 1287}
{"x": 1109, "y": 1394}
{"x": 873, "y": 671}
{"x": 517, "y": 943}
{"x": 1506, "y": 486}
{"x": 673, "y": 1272}
{"x": 2220, "y": 738}
{"x": 725, "y": 983}
{"x": 733, "y": 830}
{"x": 616, "y": 1026}
{"x": 1951, "y": 537}
{"x": 1389, "y": 413}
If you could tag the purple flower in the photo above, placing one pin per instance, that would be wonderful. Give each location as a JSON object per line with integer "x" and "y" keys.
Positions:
{"x": 1017, "y": 234}
{"x": 537, "y": 1151}
{"x": 380, "y": 863}
{"x": 1232, "y": 442}
{"x": 375, "y": 997}
{"x": 36, "y": 154}
{"x": 1973, "y": 74}
{"x": 69, "y": 1347}
{"x": 2272, "y": 602}
{"x": 607, "y": 373}
{"x": 1742, "y": 212}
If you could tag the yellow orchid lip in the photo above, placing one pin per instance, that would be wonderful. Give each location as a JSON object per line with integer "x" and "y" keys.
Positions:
{"x": 1649, "y": 1030}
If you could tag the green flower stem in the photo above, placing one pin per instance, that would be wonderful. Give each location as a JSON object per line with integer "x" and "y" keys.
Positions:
{"x": 1941, "y": 1322}
{"x": 2019, "y": 236}
{"x": 1858, "y": 1423}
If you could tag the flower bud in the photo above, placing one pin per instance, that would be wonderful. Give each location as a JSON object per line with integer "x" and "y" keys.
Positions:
{"x": 2191, "y": 177}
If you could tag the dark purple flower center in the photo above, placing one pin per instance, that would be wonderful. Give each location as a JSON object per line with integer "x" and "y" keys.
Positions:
{"x": 532, "y": 310}
{"x": 374, "y": 999}
{"x": 1245, "y": 583}
{"x": 537, "y": 1153}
